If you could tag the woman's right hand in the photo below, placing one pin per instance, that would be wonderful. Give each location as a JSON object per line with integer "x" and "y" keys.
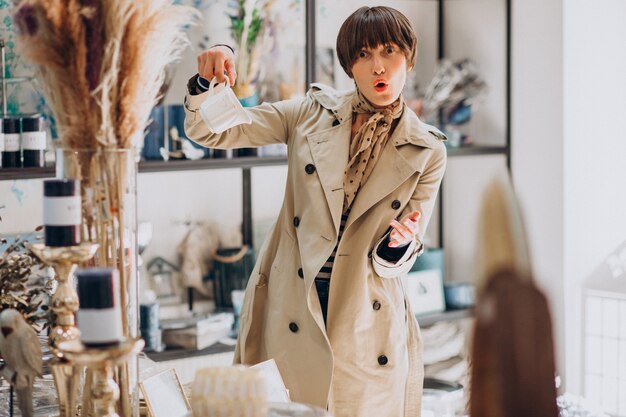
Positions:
{"x": 215, "y": 61}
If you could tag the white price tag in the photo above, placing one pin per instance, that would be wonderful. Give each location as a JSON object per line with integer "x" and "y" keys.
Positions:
{"x": 34, "y": 141}
{"x": 61, "y": 211}
{"x": 11, "y": 142}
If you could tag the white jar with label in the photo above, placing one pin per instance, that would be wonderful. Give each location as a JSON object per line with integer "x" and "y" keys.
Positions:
{"x": 33, "y": 142}
{"x": 11, "y": 157}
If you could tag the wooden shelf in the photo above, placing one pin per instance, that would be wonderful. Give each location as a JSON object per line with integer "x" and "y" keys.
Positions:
{"x": 156, "y": 166}
{"x": 174, "y": 354}
{"x": 203, "y": 164}
{"x": 477, "y": 150}
{"x": 450, "y": 315}
{"x": 26, "y": 173}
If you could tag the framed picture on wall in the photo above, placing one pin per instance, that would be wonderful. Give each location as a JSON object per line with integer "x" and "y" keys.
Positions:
{"x": 424, "y": 283}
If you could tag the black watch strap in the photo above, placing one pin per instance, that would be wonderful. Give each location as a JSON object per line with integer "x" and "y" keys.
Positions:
{"x": 223, "y": 44}
{"x": 192, "y": 86}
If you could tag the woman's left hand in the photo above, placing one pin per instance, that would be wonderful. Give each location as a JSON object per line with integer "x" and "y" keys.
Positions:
{"x": 404, "y": 231}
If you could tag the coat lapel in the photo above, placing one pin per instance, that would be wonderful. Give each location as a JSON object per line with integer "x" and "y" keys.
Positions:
{"x": 330, "y": 149}
{"x": 391, "y": 170}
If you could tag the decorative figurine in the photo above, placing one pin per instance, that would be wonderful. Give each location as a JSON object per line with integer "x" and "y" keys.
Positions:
{"x": 21, "y": 351}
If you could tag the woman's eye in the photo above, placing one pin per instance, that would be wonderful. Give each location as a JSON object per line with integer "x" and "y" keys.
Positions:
{"x": 389, "y": 50}
{"x": 362, "y": 54}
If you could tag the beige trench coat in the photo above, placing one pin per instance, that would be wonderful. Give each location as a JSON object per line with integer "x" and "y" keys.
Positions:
{"x": 367, "y": 363}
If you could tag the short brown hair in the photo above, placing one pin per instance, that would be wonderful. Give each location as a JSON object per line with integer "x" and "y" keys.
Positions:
{"x": 373, "y": 26}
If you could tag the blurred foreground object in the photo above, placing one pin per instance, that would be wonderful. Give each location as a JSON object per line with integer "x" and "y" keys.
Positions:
{"x": 513, "y": 365}
{"x": 234, "y": 391}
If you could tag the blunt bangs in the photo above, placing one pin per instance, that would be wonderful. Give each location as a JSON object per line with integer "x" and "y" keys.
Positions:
{"x": 373, "y": 26}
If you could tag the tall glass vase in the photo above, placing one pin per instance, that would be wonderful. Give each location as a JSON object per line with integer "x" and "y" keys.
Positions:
{"x": 109, "y": 202}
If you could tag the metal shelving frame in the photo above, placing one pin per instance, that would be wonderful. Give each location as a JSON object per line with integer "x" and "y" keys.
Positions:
{"x": 174, "y": 165}
{"x": 506, "y": 149}
{"x": 247, "y": 163}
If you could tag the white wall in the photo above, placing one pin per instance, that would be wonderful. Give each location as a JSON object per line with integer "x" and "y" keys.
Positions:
{"x": 594, "y": 148}
{"x": 21, "y": 206}
{"x": 568, "y": 150}
{"x": 464, "y": 183}
{"x": 169, "y": 199}
{"x": 537, "y": 144}
{"x": 477, "y": 29}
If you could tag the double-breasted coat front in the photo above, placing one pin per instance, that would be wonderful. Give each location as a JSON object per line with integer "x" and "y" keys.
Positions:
{"x": 367, "y": 360}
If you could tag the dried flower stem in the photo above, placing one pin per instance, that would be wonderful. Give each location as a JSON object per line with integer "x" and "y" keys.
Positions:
{"x": 100, "y": 65}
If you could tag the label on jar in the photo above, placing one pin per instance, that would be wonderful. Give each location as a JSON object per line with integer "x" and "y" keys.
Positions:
{"x": 34, "y": 141}
{"x": 61, "y": 211}
{"x": 1, "y": 142}
{"x": 11, "y": 142}
{"x": 101, "y": 325}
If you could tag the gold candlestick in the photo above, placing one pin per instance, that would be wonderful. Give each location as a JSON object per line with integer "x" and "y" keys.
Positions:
{"x": 101, "y": 361}
{"x": 64, "y": 304}
{"x": 64, "y": 260}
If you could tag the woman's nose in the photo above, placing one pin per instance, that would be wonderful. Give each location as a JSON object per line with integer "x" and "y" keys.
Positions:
{"x": 377, "y": 66}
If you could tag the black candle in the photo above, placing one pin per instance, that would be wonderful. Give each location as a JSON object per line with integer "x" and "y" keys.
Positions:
{"x": 11, "y": 155}
{"x": 61, "y": 212}
{"x": 33, "y": 142}
{"x": 99, "y": 316}
{"x": 153, "y": 340}
{"x": 219, "y": 153}
{"x": 149, "y": 316}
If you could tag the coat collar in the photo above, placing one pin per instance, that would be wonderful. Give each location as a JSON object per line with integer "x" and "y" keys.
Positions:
{"x": 330, "y": 151}
{"x": 413, "y": 131}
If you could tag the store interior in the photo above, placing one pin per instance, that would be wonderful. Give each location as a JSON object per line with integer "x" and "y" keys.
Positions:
{"x": 530, "y": 96}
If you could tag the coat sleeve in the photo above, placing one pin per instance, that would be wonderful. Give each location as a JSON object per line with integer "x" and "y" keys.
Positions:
{"x": 423, "y": 200}
{"x": 272, "y": 123}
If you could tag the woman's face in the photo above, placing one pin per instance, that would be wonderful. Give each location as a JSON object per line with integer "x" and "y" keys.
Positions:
{"x": 380, "y": 73}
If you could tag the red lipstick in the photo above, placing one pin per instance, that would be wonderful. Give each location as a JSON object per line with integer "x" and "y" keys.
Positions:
{"x": 380, "y": 85}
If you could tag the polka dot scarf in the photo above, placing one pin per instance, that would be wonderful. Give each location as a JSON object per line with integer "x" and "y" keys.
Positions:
{"x": 368, "y": 143}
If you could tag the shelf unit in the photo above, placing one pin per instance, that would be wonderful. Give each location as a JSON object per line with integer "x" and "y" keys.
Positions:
{"x": 247, "y": 163}
{"x": 441, "y": 54}
{"x": 178, "y": 165}
{"x": 175, "y": 354}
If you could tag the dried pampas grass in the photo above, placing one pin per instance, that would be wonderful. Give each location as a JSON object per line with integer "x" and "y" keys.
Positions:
{"x": 101, "y": 63}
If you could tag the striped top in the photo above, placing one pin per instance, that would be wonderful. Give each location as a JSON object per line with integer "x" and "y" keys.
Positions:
{"x": 327, "y": 269}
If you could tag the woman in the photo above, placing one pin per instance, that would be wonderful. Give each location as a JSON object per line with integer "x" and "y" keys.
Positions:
{"x": 325, "y": 299}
